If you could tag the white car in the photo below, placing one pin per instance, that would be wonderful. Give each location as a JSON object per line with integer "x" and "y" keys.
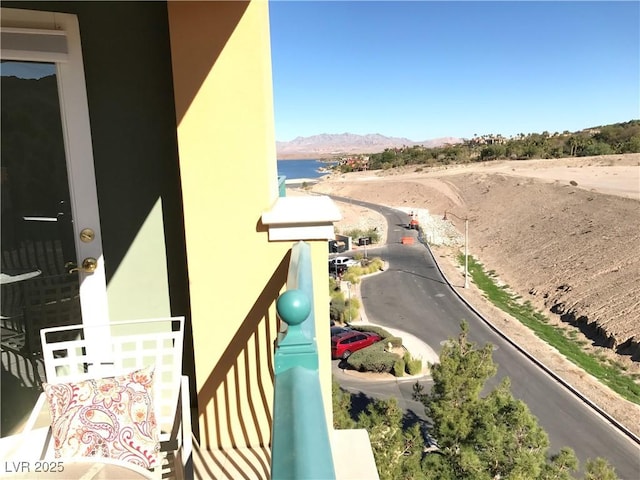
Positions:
{"x": 346, "y": 261}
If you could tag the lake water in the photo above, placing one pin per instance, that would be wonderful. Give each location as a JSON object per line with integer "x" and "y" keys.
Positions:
{"x": 301, "y": 168}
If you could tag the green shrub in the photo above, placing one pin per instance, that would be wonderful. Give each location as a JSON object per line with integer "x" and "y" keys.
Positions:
{"x": 367, "y": 267}
{"x": 337, "y": 307}
{"x": 344, "y": 310}
{"x": 373, "y": 329}
{"x": 372, "y": 359}
{"x": 398, "y": 367}
{"x": 414, "y": 366}
{"x": 352, "y": 275}
{"x": 372, "y": 265}
{"x": 352, "y": 310}
{"x": 386, "y": 336}
{"x": 341, "y": 309}
{"x": 357, "y": 233}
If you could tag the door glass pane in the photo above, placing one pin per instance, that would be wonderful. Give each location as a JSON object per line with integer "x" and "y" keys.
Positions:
{"x": 37, "y": 241}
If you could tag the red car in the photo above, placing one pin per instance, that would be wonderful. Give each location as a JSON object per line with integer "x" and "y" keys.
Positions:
{"x": 344, "y": 344}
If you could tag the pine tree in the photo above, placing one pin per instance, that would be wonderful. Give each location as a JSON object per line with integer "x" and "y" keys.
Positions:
{"x": 341, "y": 408}
{"x": 513, "y": 444}
{"x": 478, "y": 438}
{"x": 599, "y": 469}
{"x": 397, "y": 452}
{"x": 488, "y": 437}
{"x": 561, "y": 466}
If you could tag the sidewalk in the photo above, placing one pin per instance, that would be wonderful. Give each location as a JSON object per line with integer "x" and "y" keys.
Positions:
{"x": 416, "y": 347}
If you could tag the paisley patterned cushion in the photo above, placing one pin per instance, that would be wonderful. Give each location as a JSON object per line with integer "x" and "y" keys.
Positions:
{"x": 107, "y": 417}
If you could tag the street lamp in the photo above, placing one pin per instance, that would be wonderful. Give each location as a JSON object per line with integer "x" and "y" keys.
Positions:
{"x": 466, "y": 245}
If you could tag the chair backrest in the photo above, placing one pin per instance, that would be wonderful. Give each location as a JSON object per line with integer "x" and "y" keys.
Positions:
{"x": 50, "y": 301}
{"x": 98, "y": 351}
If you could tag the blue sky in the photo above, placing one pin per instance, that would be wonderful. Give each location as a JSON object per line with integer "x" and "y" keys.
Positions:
{"x": 425, "y": 70}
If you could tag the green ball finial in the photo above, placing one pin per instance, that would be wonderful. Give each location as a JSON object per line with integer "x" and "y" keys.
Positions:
{"x": 293, "y": 306}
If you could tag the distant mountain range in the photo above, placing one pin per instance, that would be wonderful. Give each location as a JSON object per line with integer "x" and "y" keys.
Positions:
{"x": 329, "y": 144}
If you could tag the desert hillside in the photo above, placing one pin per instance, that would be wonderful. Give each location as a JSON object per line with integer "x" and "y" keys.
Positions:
{"x": 564, "y": 234}
{"x": 329, "y": 145}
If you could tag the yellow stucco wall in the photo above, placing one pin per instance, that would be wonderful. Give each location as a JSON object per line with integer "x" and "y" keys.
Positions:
{"x": 226, "y": 144}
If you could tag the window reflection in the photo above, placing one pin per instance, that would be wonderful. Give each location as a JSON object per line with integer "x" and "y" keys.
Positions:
{"x": 36, "y": 232}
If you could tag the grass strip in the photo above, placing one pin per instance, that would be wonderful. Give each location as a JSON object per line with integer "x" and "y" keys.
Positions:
{"x": 611, "y": 375}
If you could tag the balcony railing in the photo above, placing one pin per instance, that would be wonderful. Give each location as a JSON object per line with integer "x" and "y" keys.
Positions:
{"x": 300, "y": 447}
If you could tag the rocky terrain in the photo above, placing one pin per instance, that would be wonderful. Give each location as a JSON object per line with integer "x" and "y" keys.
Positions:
{"x": 563, "y": 234}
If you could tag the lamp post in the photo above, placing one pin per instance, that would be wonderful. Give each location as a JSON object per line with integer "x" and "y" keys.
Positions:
{"x": 466, "y": 245}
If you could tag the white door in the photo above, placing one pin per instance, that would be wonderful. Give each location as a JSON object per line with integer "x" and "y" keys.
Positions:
{"x": 50, "y": 223}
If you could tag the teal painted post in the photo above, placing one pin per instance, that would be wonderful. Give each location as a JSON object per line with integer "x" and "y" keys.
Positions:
{"x": 295, "y": 347}
{"x": 282, "y": 187}
{"x": 300, "y": 446}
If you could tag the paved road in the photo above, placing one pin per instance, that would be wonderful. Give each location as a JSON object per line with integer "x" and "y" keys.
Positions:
{"x": 413, "y": 296}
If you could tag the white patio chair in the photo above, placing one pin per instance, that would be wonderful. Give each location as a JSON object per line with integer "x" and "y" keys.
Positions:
{"x": 119, "y": 348}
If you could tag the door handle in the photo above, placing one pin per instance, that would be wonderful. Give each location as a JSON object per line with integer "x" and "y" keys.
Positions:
{"x": 89, "y": 265}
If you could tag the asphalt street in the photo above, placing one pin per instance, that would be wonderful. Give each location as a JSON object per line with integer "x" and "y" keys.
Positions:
{"x": 413, "y": 296}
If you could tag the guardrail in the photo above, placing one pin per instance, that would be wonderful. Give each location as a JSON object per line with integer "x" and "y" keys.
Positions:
{"x": 282, "y": 186}
{"x": 300, "y": 446}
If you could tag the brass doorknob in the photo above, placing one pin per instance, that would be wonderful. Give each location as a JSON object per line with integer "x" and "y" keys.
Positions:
{"x": 89, "y": 265}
